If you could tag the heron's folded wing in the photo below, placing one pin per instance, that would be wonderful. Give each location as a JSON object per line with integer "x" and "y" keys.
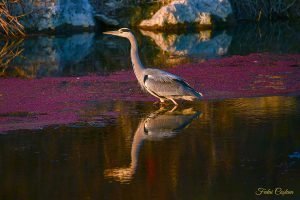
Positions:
{"x": 165, "y": 84}
{"x": 161, "y": 76}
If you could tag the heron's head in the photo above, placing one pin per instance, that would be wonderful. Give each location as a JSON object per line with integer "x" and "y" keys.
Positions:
{"x": 122, "y": 32}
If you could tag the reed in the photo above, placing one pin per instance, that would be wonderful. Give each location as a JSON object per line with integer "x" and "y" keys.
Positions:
{"x": 9, "y": 24}
{"x": 9, "y": 49}
{"x": 265, "y": 9}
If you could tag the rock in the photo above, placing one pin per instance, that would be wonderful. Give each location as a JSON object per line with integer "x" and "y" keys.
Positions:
{"x": 200, "y": 12}
{"x": 106, "y": 20}
{"x": 200, "y": 44}
{"x": 45, "y": 14}
{"x": 114, "y": 4}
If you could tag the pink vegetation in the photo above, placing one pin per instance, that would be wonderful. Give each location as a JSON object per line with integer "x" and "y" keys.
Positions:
{"x": 34, "y": 103}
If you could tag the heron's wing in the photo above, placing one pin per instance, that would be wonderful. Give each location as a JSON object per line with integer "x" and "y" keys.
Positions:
{"x": 162, "y": 76}
{"x": 165, "y": 84}
{"x": 169, "y": 122}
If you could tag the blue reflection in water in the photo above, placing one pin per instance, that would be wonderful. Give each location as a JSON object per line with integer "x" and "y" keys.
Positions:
{"x": 200, "y": 44}
{"x": 50, "y": 55}
{"x": 295, "y": 155}
{"x": 81, "y": 54}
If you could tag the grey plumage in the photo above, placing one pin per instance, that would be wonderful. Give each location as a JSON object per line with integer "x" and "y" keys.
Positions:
{"x": 159, "y": 83}
{"x": 165, "y": 123}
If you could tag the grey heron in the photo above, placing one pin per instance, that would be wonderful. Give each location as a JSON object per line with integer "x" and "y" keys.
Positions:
{"x": 158, "y": 125}
{"x": 159, "y": 83}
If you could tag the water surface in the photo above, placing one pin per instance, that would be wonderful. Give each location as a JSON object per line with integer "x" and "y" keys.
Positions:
{"x": 213, "y": 150}
{"x": 82, "y": 54}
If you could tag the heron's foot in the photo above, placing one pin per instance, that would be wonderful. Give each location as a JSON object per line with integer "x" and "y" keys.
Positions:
{"x": 161, "y": 102}
{"x": 174, "y": 102}
{"x": 164, "y": 103}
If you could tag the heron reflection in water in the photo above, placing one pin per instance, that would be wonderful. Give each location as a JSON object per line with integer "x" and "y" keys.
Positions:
{"x": 159, "y": 125}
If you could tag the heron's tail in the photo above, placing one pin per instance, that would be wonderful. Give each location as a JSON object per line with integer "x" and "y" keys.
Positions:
{"x": 197, "y": 95}
{"x": 193, "y": 96}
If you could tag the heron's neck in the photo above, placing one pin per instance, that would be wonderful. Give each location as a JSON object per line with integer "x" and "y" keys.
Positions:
{"x": 136, "y": 145}
{"x": 135, "y": 59}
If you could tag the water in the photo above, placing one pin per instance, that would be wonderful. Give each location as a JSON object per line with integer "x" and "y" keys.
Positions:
{"x": 82, "y": 54}
{"x": 215, "y": 149}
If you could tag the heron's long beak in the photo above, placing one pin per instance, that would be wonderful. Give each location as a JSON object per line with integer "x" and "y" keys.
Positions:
{"x": 111, "y": 33}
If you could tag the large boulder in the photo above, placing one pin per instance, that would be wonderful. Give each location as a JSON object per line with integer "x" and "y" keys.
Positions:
{"x": 50, "y": 15}
{"x": 199, "y": 12}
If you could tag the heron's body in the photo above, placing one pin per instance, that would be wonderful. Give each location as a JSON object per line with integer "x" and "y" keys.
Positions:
{"x": 166, "y": 86}
{"x": 159, "y": 83}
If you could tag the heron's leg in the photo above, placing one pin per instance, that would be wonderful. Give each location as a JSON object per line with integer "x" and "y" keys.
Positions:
{"x": 173, "y": 109}
{"x": 163, "y": 102}
{"x": 174, "y": 101}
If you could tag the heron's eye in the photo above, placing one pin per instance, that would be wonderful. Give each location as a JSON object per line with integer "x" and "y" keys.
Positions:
{"x": 124, "y": 30}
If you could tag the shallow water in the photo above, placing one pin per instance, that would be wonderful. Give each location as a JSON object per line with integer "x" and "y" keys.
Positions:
{"x": 215, "y": 149}
{"x": 212, "y": 150}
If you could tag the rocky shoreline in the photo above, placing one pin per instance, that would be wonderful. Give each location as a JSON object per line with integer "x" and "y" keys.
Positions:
{"x": 61, "y": 16}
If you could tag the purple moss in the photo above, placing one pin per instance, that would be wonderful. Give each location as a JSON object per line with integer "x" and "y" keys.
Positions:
{"x": 60, "y": 100}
